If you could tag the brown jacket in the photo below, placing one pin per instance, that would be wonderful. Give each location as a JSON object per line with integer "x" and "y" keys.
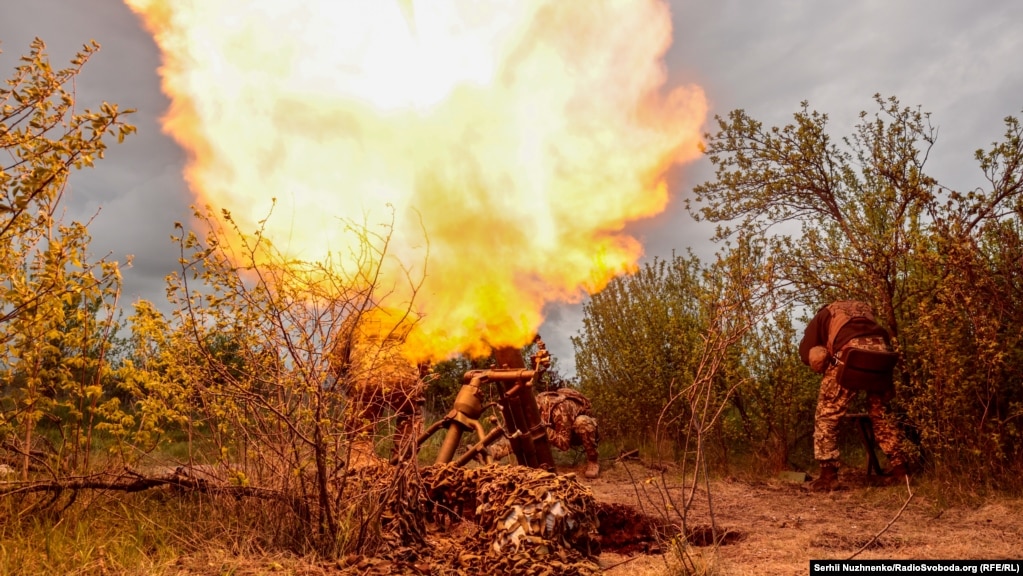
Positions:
{"x": 816, "y": 333}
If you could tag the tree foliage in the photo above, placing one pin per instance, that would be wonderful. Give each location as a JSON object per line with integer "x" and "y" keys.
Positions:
{"x": 651, "y": 339}
{"x": 58, "y": 305}
{"x": 963, "y": 356}
{"x": 637, "y": 341}
{"x": 858, "y": 206}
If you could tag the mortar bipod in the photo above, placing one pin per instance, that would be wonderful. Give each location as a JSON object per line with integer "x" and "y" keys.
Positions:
{"x": 526, "y": 433}
{"x": 464, "y": 417}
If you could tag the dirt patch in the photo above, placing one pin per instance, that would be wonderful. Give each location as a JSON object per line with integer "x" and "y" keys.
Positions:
{"x": 776, "y": 527}
{"x": 707, "y": 535}
{"x": 624, "y": 530}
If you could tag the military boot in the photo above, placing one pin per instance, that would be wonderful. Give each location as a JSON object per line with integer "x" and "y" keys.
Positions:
{"x": 828, "y": 480}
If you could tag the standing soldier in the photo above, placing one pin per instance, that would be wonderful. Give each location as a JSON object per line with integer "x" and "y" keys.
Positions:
{"x": 837, "y": 334}
{"x": 377, "y": 378}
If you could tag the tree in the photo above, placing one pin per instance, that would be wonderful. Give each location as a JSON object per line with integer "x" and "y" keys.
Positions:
{"x": 57, "y": 305}
{"x": 263, "y": 362}
{"x": 858, "y": 207}
{"x": 966, "y": 351}
{"x": 637, "y": 340}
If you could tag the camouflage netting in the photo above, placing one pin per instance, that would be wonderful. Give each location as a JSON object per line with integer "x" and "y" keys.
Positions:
{"x": 498, "y": 519}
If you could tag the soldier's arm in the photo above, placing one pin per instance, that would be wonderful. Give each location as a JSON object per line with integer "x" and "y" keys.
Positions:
{"x": 815, "y": 334}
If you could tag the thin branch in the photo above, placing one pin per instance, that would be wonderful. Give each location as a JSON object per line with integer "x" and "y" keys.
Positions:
{"x": 133, "y": 482}
{"x": 890, "y": 522}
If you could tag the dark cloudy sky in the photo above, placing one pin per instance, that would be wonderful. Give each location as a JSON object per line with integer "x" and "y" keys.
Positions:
{"x": 959, "y": 60}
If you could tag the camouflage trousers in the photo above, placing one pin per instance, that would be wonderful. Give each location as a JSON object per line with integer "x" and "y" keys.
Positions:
{"x": 568, "y": 426}
{"x": 833, "y": 402}
{"x": 370, "y": 405}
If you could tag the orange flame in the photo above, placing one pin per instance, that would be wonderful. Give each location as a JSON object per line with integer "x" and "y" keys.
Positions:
{"x": 518, "y": 138}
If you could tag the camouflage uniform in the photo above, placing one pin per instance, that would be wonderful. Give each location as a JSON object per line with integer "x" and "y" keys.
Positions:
{"x": 377, "y": 378}
{"x": 833, "y": 400}
{"x": 565, "y": 412}
{"x": 402, "y": 395}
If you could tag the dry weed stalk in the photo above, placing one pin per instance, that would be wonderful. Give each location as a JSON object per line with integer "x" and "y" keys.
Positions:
{"x": 740, "y": 295}
{"x": 890, "y": 523}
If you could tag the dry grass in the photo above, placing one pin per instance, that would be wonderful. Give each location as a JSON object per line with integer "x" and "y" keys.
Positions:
{"x": 145, "y": 533}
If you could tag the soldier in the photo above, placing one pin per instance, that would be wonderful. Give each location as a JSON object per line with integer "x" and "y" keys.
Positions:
{"x": 834, "y": 330}
{"x": 376, "y": 377}
{"x": 566, "y": 413}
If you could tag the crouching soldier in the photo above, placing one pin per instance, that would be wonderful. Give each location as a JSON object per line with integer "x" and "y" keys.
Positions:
{"x": 566, "y": 413}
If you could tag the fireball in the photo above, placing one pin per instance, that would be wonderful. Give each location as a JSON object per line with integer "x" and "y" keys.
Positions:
{"x": 502, "y": 146}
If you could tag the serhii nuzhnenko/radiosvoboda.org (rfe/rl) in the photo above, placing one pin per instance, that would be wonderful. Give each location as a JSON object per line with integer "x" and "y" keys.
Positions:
{"x": 918, "y": 566}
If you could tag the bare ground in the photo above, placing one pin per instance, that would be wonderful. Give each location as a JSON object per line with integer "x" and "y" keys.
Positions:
{"x": 777, "y": 527}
